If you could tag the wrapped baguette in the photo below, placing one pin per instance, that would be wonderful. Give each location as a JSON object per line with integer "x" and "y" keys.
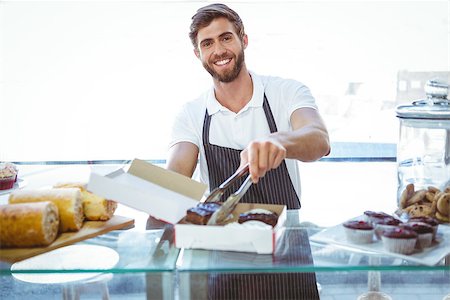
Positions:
{"x": 95, "y": 208}
{"x": 28, "y": 224}
{"x": 67, "y": 200}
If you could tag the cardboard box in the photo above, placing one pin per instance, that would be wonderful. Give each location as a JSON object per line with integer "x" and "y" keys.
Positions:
{"x": 167, "y": 195}
{"x": 233, "y": 236}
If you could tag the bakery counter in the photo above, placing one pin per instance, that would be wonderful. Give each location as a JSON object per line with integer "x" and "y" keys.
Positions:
{"x": 338, "y": 272}
{"x": 129, "y": 263}
{"x": 124, "y": 264}
{"x": 150, "y": 267}
{"x": 141, "y": 262}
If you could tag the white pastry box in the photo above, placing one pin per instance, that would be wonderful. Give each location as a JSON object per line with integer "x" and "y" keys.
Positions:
{"x": 167, "y": 196}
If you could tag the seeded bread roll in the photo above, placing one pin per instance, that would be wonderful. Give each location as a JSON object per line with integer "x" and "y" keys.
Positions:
{"x": 95, "y": 208}
{"x": 28, "y": 224}
{"x": 67, "y": 200}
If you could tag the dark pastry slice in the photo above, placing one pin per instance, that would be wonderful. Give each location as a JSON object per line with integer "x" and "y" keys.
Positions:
{"x": 201, "y": 213}
{"x": 261, "y": 215}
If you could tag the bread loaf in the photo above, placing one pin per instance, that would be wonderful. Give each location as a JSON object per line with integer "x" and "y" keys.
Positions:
{"x": 28, "y": 224}
{"x": 95, "y": 208}
{"x": 67, "y": 200}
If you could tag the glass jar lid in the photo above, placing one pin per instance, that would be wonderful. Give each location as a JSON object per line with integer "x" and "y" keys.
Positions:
{"x": 435, "y": 106}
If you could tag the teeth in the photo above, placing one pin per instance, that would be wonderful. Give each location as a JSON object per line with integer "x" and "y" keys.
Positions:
{"x": 222, "y": 62}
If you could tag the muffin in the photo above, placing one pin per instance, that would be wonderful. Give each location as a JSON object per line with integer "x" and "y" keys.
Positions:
{"x": 424, "y": 233}
{"x": 383, "y": 224}
{"x": 370, "y": 216}
{"x": 434, "y": 223}
{"x": 359, "y": 231}
{"x": 8, "y": 176}
{"x": 399, "y": 240}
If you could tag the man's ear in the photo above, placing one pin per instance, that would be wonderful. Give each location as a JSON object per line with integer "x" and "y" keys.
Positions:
{"x": 197, "y": 53}
{"x": 245, "y": 41}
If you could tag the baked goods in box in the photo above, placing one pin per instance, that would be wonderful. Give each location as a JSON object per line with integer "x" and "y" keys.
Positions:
{"x": 261, "y": 215}
{"x": 28, "y": 224}
{"x": 399, "y": 240}
{"x": 8, "y": 176}
{"x": 95, "y": 208}
{"x": 201, "y": 213}
{"x": 67, "y": 200}
{"x": 359, "y": 231}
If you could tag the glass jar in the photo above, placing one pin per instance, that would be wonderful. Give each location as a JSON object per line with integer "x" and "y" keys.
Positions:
{"x": 423, "y": 150}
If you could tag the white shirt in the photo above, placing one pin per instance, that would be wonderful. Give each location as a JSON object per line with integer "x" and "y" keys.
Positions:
{"x": 236, "y": 130}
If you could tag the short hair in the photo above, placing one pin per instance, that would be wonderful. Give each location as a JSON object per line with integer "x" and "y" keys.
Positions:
{"x": 205, "y": 15}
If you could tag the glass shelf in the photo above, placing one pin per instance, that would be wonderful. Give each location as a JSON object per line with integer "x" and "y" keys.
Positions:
{"x": 149, "y": 264}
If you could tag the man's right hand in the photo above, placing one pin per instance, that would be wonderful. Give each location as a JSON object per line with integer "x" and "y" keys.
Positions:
{"x": 263, "y": 155}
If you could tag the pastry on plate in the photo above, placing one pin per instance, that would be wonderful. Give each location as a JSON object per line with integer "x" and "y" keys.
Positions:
{"x": 399, "y": 240}
{"x": 359, "y": 231}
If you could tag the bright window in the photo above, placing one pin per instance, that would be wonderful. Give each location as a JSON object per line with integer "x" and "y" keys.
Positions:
{"x": 83, "y": 80}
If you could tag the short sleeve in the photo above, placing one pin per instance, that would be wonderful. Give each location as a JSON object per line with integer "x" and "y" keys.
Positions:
{"x": 183, "y": 129}
{"x": 301, "y": 98}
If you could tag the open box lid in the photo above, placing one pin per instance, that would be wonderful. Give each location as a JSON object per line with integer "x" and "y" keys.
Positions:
{"x": 164, "y": 194}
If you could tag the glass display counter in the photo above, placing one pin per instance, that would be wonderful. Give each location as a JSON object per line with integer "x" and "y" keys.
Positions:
{"x": 148, "y": 266}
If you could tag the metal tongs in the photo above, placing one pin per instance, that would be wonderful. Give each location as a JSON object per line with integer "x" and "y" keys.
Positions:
{"x": 220, "y": 215}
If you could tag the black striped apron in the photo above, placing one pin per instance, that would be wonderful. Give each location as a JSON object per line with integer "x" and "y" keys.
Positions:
{"x": 274, "y": 188}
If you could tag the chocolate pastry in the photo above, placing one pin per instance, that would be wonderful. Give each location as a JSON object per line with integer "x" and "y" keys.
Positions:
{"x": 201, "y": 213}
{"x": 399, "y": 233}
{"x": 358, "y": 224}
{"x": 261, "y": 215}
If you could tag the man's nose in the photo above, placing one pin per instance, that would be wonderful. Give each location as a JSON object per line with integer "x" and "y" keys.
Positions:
{"x": 219, "y": 49}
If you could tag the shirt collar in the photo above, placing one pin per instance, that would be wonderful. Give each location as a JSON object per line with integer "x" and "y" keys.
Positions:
{"x": 214, "y": 106}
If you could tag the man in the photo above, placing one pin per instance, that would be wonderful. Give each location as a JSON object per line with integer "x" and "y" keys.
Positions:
{"x": 268, "y": 122}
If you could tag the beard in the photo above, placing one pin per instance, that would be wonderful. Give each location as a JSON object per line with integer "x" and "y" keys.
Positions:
{"x": 227, "y": 76}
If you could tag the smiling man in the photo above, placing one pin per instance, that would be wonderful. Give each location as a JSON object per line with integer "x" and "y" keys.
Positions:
{"x": 269, "y": 122}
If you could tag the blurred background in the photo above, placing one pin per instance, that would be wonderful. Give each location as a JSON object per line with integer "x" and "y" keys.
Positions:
{"x": 102, "y": 80}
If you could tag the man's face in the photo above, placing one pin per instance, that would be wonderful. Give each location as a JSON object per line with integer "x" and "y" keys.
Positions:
{"x": 220, "y": 50}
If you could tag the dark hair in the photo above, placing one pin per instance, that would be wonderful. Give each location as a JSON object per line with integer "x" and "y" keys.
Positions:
{"x": 205, "y": 15}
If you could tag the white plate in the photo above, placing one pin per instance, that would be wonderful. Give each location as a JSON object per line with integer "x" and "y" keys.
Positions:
{"x": 429, "y": 256}
{"x": 19, "y": 184}
{"x": 74, "y": 257}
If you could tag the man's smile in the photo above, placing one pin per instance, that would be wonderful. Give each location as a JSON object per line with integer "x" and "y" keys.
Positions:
{"x": 222, "y": 62}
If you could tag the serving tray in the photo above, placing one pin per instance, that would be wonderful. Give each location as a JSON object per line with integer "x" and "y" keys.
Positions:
{"x": 430, "y": 256}
{"x": 90, "y": 229}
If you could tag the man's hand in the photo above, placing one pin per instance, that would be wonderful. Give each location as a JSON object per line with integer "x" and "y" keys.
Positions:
{"x": 263, "y": 155}
{"x": 308, "y": 141}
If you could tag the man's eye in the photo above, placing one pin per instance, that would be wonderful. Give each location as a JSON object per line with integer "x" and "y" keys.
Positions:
{"x": 226, "y": 38}
{"x": 206, "y": 44}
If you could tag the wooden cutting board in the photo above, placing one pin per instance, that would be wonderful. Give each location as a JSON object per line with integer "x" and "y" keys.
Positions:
{"x": 89, "y": 230}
